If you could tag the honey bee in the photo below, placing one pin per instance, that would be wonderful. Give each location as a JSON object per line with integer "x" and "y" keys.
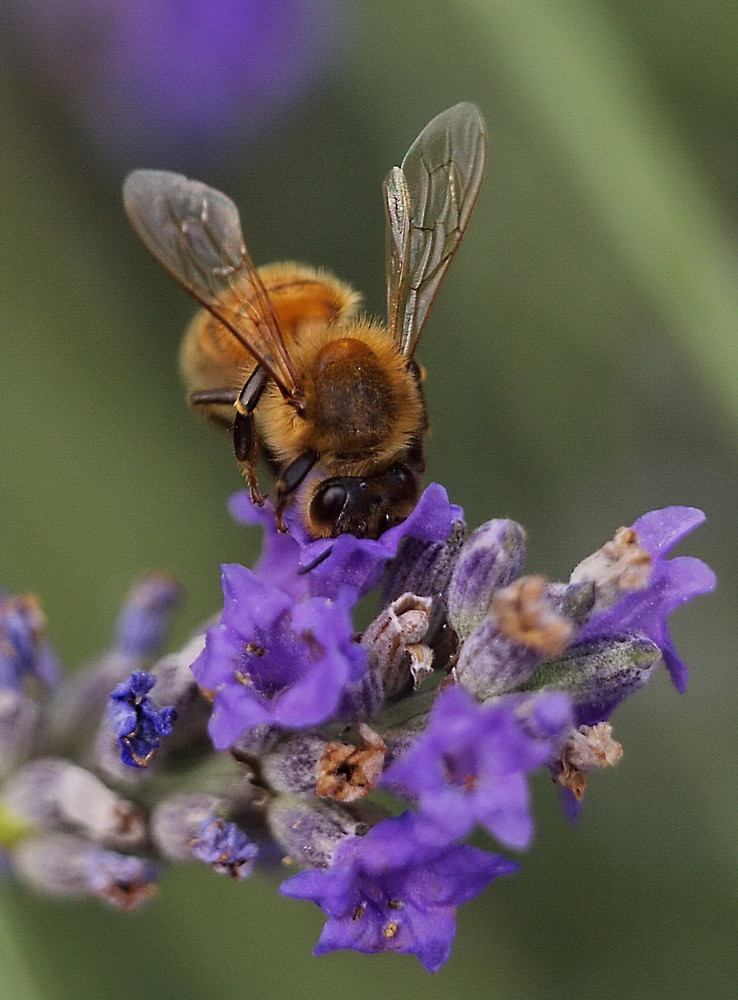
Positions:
{"x": 279, "y": 355}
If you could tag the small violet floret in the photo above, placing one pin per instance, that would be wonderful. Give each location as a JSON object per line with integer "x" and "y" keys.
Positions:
{"x": 470, "y": 764}
{"x": 271, "y": 660}
{"x": 303, "y": 567}
{"x": 25, "y": 652}
{"x": 672, "y": 582}
{"x": 391, "y": 891}
{"x": 225, "y": 847}
{"x": 137, "y": 723}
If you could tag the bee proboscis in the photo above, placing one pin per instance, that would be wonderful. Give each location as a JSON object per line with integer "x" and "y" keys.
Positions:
{"x": 278, "y": 353}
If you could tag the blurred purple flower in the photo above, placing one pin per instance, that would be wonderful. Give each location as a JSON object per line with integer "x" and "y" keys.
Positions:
{"x": 144, "y": 619}
{"x": 137, "y": 723}
{"x": 226, "y": 848}
{"x": 25, "y": 652}
{"x": 176, "y": 80}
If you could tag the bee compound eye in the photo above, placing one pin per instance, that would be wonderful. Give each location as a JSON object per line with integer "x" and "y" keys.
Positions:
{"x": 402, "y": 483}
{"x": 329, "y": 501}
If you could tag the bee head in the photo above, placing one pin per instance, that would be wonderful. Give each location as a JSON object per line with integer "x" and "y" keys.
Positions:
{"x": 362, "y": 506}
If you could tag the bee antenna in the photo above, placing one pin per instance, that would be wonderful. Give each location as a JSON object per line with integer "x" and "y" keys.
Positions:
{"x": 316, "y": 562}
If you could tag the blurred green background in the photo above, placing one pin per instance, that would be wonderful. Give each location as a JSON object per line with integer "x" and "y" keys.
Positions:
{"x": 582, "y": 369}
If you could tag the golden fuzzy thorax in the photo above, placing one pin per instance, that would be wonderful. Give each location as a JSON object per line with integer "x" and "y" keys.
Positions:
{"x": 362, "y": 404}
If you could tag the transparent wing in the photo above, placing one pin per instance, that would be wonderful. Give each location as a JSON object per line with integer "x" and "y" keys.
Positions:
{"x": 428, "y": 203}
{"x": 194, "y": 232}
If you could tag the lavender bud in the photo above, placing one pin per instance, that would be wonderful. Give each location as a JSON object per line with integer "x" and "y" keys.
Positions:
{"x": 20, "y": 726}
{"x": 423, "y": 568}
{"x": 61, "y": 864}
{"x": 310, "y": 831}
{"x": 176, "y": 821}
{"x": 175, "y": 684}
{"x": 294, "y": 765}
{"x": 521, "y": 629}
{"x": 491, "y": 664}
{"x": 361, "y": 700}
{"x": 24, "y": 649}
{"x": 598, "y": 675}
{"x": 81, "y": 703}
{"x": 491, "y": 558}
{"x": 144, "y": 618}
{"x": 256, "y": 741}
{"x": 55, "y": 794}
{"x": 395, "y": 640}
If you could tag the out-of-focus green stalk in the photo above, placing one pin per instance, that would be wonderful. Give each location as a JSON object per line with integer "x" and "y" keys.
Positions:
{"x": 16, "y": 978}
{"x": 572, "y": 65}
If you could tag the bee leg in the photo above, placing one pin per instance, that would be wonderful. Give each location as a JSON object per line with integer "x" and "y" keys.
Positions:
{"x": 245, "y": 443}
{"x": 213, "y": 397}
{"x": 246, "y": 447}
{"x": 291, "y": 477}
{"x": 249, "y": 396}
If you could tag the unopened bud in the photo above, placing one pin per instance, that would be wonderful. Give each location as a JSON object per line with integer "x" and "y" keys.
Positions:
{"x": 395, "y": 640}
{"x": 309, "y": 832}
{"x": 491, "y": 558}
{"x": 144, "y": 618}
{"x": 361, "y": 699}
{"x": 61, "y": 864}
{"x": 598, "y": 675}
{"x": 25, "y": 652}
{"x": 20, "y": 727}
{"x": 492, "y": 664}
{"x": 175, "y": 822}
{"x": 293, "y": 766}
{"x": 424, "y": 568}
{"x": 521, "y": 628}
{"x": 55, "y": 794}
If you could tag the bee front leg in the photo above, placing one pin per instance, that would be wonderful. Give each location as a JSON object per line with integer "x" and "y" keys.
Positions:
{"x": 291, "y": 477}
{"x": 245, "y": 443}
{"x": 246, "y": 447}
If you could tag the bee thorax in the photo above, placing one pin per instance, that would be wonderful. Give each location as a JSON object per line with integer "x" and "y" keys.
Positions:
{"x": 354, "y": 402}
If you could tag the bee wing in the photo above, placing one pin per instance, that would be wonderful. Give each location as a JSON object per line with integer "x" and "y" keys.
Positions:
{"x": 428, "y": 203}
{"x": 194, "y": 232}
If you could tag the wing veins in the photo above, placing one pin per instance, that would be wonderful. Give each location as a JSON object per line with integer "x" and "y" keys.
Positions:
{"x": 442, "y": 174}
